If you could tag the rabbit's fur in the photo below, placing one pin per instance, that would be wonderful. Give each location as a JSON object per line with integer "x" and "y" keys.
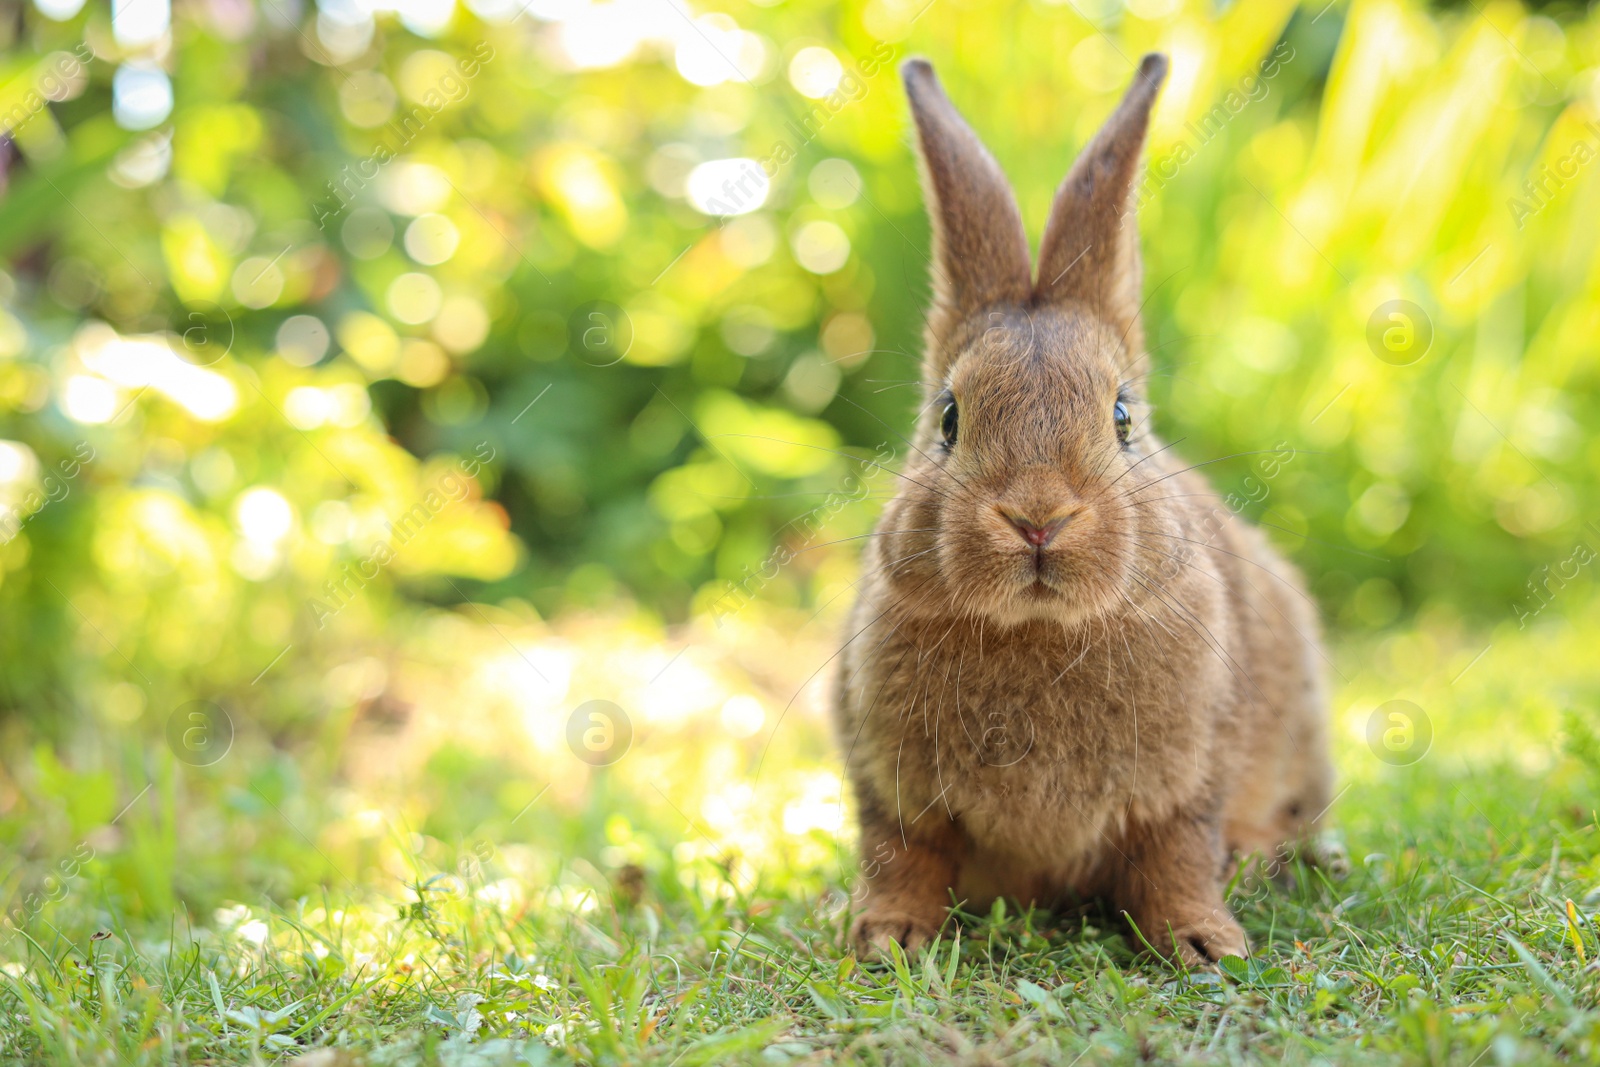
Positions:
{"x": 1115, "y": 713}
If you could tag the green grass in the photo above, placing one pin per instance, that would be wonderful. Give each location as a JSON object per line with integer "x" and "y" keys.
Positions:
{"x": 1448, "y": 943}
{"x": 477, "y": 899}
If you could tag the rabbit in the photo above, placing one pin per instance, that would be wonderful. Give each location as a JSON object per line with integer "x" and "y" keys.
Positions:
{"x": 1071, "y": 673}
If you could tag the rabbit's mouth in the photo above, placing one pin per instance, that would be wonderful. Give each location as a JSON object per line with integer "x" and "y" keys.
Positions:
{"x": 1011, "y": 591}
{"x": 1044, "y": 594}
{"x": 1043, "y": 556}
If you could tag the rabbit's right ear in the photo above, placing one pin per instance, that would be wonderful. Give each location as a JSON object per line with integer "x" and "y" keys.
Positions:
{"x": 1090, "y": 250}
{"x": 980, "y": 250}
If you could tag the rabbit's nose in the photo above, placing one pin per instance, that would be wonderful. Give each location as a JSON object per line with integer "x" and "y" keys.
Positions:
{"x": 1035, "y": 533}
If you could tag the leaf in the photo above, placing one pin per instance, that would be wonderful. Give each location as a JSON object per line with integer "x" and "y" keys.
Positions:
{"x": 1536, "y": 970}
{"x": 1235, "y": 967}
{"x": 331, "y": 1008}
{"x": 255, "y": 1018}
{"x": 1401, "y": 984}
{"x": 955, "y": 959}
{"x": 467, "y": 1011}
{"x": 1040, "y": 998}
{"x": 1034, "y": 994}
{"x": 1273, "y": 976}
{"x": 826, "y": 1002}
{"x": 216, "y": 997}
{"x": 1572, "y": 930}
{"x": 723, "y": 1048}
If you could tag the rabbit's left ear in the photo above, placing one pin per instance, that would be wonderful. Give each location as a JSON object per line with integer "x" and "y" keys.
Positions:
{"x": 1090, "y": 251}
{"x": 980, "y": 250}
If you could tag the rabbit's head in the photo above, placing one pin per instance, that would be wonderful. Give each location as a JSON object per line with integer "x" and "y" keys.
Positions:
{"x": 1017, "y": 501}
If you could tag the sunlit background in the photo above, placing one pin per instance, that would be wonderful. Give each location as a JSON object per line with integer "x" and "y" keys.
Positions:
{"x": 392, "y": 379}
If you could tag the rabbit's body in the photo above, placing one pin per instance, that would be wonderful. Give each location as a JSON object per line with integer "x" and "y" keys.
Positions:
{"x": 1045, "y": 742}
{"x": 1071, "y": 672}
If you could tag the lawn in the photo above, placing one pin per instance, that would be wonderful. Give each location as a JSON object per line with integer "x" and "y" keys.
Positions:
{"x": 1464, "y": 932}
{"x": 430, "y": 500}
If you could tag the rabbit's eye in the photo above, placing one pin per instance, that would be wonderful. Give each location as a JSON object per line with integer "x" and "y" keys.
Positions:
{"x": 949, "y": 419}
{"x": 1124, "y": 420}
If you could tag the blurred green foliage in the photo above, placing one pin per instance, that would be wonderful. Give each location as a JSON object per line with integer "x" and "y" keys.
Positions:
{"x": 395, "y": 382}
{"x": 352, "y": 252}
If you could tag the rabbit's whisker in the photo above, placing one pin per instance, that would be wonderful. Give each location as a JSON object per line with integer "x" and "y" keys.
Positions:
{"x": 1207, "y": 463}
{"x": 858, "y": 537}
{"x": 864, "y": 575}
{"x": 868, "y": 352}
{"x": 1133, "y": 320}
{"x": 1184, "y": 562}
{"x": 1316, "y": 541}
{"x": 938, "y": 717}
{"x": 1078, "y": 660}
{"x": 840, "y": 452}
{"x": 1133, "y": 705}
{"x": 1227, "y": 659}
{"x": 909, "y": 443}
{"x": 888, "y": 675}
{"x": 1198, "y": 628}
{"x": 905, "y": 722}
{"x": 1135, "y": 466}
{"x": 1218, "y": 548}
{"x": 1146, "y": 501}
{"x": 761, "y": 761}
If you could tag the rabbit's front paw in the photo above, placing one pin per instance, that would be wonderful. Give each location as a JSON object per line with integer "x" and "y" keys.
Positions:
{"x": 1328, "y": 852}
{"x": 1201, "y": 942}
{"x": 875, "y": 930}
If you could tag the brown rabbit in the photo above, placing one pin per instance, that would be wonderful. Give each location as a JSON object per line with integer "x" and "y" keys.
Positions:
{"x": 1070, "y": 674}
